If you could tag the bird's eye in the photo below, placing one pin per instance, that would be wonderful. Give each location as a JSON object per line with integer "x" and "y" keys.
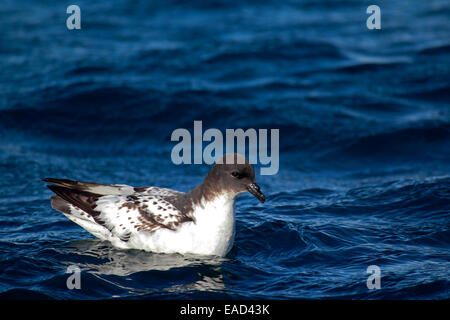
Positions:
{"x": 236, "y": 175}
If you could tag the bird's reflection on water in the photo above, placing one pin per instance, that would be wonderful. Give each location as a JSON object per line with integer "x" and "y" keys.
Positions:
{"x": 153, "y": 271}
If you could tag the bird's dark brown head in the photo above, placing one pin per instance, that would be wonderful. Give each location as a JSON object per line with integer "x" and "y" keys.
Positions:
{"x": 234, "y": 173}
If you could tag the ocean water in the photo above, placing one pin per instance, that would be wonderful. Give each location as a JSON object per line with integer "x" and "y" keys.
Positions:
{"x": 364, "y": 124}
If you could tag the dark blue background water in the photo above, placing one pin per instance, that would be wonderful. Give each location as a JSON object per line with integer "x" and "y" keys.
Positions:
{"x": 364, "y": 123}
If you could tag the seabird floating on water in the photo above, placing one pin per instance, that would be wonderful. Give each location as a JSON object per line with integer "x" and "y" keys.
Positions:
{"x": 162, "y": 220}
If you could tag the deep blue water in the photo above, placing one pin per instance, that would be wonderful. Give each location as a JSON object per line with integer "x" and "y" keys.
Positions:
{"x": 364, "y": 123}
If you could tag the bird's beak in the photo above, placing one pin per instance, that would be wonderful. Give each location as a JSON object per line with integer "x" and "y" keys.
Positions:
{"x": 253, "y": 188}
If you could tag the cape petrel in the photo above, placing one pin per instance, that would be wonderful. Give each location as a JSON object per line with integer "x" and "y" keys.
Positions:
{"x": 161, "y": 220}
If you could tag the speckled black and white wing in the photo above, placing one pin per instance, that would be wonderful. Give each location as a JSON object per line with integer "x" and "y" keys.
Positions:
{"x": 118, "y": 216}
{"x": 137, "y": 213}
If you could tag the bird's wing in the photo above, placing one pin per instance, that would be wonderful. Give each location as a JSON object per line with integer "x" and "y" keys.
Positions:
{"x": 124, "y": 215}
